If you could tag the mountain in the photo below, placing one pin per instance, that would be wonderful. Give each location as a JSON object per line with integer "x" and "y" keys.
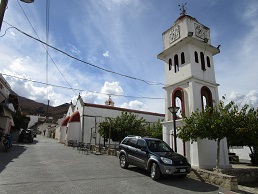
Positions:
{"x": 31, "y": 107}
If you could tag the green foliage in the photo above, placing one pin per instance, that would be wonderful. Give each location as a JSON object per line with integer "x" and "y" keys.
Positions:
{"x": 154, "y": 130}
{"x": 121, "y": 126}
{"x": 213, "y": 123}
{"x": 20, "y": 120}
{"x": 246, "y": 132}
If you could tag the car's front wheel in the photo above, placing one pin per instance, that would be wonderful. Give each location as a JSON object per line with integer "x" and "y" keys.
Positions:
{"x": 155, "y": 171}
{"x": 123, "y": 162}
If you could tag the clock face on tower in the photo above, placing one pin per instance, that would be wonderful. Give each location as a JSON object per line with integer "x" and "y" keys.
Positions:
{"x": 200, "y": 31}
{"x": 174, "y": 34}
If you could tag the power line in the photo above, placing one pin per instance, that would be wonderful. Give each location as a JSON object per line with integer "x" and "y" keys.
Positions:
{"x": 81, "y": 90}
{"x": 42, "y": 45}
{"x": 85, "y": 62}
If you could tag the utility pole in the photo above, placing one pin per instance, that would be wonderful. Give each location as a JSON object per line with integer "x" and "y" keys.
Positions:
{"x": 3, "y": 6}
{"x": 2, "y": 10}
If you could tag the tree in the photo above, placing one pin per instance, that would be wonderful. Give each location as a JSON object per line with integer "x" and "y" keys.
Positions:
{"x": 246, "y": 133}
{"x": 213, "y": 123}
{"x": 154, "y": 130}
{"x": 122, "y": 126}
{"x": 20, "y": 120}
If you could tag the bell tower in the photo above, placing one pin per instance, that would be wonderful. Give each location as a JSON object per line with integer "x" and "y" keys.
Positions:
{"x": 190, "y": 84}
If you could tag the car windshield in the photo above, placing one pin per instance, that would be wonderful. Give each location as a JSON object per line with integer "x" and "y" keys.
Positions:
{"x": 158, "y": 146}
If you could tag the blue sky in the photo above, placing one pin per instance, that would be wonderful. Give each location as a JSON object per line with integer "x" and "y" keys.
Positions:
{"x": 123, "y": 36}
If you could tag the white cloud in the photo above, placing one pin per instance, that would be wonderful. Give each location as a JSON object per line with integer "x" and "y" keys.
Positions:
{"x": 112, "y": 88}
{"x": 106, "y": 54}
{"x": 250, "y": 98}
{"x": 73, "y": 49}
{"x": 135, "y": 105}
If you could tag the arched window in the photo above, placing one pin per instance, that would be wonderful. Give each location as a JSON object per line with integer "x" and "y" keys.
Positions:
{"x": 206, "y": 97}
{"x": 182, "y": 58}
{"x": 202, "y": 61}
{"x": 169, "y": 64}
{"x": 176, "y": 63}
{"x": 208, "y": 61}
{"x": 178, "y": 100}
{"x": 196, "y": 57}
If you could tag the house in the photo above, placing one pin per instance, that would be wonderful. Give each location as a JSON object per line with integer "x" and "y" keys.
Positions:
{"x": 6, "y": 108}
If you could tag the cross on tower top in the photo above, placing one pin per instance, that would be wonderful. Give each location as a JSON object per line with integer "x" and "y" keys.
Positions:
{"x": 183, "y": 8}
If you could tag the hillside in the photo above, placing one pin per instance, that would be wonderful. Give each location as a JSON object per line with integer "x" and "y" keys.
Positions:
{"x": 32, "y": 107}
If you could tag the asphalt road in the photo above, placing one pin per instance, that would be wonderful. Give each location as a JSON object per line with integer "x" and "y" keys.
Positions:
{"x": 47, "y": 166}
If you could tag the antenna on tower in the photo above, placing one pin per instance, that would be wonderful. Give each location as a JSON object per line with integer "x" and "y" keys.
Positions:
{"x": 183, "y": 8}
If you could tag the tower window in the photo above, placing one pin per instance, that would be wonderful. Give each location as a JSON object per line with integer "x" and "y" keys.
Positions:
{"x": 182, "y": 58}
{"x": 202, "y": 61}
{"x": 206, "y": 96}
{"x": 176, "y": 63}
{"x": 196, "y": 57}
{"x": 208, "y": 61}
{"x": 169, "y": 64}
{"x": 178, "y": 100}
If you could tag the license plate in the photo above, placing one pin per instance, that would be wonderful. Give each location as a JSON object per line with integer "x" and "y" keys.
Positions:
{"x": 182, "y": 170}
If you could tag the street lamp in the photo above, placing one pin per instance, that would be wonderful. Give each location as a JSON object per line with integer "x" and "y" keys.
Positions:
{"x": 3, "y": 6}
{"x": 174, "y": 110}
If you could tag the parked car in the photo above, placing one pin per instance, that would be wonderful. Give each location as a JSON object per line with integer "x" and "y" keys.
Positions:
{"x": 26, "y": 134}
{"x": 153, "y": 155}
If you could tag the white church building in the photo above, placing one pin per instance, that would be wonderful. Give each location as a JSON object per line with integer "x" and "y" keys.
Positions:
{"x": 190, "y": 85}
{"x": 81, "y": 121}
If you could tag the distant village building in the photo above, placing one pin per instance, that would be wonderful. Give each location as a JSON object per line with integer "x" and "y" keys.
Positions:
{"x": 81, "y": 121}
{"x": 190, "y": 85}
{"x": 6, "y": 108}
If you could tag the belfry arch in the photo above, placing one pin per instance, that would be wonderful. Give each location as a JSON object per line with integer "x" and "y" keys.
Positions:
{"x": 206, "y": 97}
{"x": 178, "y": 93}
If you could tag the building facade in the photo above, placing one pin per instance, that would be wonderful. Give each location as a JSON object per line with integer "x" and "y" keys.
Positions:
{"x": 82, "y": 119}
{"x": 190, "y": 85}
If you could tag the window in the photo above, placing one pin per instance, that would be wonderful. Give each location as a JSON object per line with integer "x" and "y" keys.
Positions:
{"x": 141, "y": 144}
{"x": 206, "y": 96}
{"x": 208, "y": 61}
{"x": 169, "y": 64}
{"x": 178, "y": 100}
{"x": 202, "y": 61}
{"x": 132, "y": 142}
{"x": 176, "y": 63}
{"x": 196, "y": 57}
{"x": 182, "y": 58}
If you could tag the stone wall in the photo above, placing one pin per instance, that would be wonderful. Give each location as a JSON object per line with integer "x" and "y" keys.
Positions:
{"x": 244, "y": 175}
{"x": 215, "y": 178}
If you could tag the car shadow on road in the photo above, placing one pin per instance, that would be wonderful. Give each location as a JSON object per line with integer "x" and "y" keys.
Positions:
{"x": 186, "y": 183}
{"x": 14, "y": 152}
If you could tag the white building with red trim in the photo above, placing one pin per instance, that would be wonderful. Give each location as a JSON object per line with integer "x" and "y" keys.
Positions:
{"x": 82, "y": 119}
{"x": 190, "y": 85}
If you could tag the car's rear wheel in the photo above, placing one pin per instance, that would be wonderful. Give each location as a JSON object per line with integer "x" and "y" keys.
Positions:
{"x": 155, "y": 171}
{"x": 123, "y": 162}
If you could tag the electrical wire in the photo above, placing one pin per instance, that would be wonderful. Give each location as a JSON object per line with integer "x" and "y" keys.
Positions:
{"x": 85, "y": 62}
{"x": 81, "y": 90}
{"x": 43, "y": 47}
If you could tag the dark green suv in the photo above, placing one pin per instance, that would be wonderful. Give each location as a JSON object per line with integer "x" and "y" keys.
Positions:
{"x": 153, "y": 155}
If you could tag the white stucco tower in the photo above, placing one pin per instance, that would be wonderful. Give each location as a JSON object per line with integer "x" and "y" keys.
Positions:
{"x": 190, "y": 84}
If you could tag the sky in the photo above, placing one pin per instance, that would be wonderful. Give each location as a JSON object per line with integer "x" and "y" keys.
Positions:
{"x": 102, "y": 47}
